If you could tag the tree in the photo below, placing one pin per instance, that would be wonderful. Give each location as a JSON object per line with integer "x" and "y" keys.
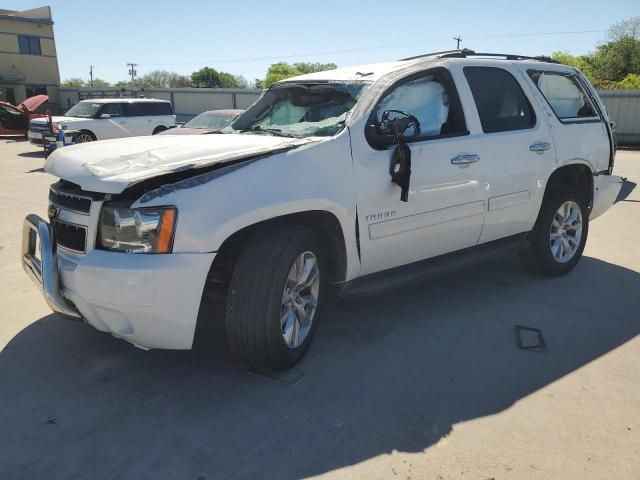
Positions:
{"x": 625, "y": 28}
{"x": 208, "y": 77}
{"x": 579, "y": 62}
{"x": 73, "y": 82}
{"x": 163, "y": 79}
{"x": 280, "y": 71}
{"x": 615, "y": 63}
{"x": 616, "y": 59}
{"x": 305, "y": 67}
{"x": 98, "y": 82}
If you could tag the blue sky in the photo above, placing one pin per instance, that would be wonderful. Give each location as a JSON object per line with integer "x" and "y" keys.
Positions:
{"x": 244, "y": 37}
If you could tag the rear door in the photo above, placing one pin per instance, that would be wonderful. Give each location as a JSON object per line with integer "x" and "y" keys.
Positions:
{"x": 139, "y": 119}
{"x": 113, "y": 126}
{"x": 578, "y": 130}
{"x": 515, "y": 144}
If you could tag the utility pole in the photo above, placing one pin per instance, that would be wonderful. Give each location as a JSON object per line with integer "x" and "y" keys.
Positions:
{"x": 132, "y": 71}
{"x": 458, "y": 39}
{"x": 91, "y": 75}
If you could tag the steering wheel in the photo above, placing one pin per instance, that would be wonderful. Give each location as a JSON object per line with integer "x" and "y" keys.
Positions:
{"x": 396, "y": 123}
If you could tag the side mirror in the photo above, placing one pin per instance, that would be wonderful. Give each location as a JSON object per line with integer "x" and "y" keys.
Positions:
{"x": 105, "y": 115}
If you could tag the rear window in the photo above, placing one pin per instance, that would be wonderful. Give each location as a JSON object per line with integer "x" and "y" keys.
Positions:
{"x": 143, "y": 109}
{"x": 502, "y": 105}
{"x": 564, "y": 95}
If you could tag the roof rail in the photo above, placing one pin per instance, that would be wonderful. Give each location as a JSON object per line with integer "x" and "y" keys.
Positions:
{"x": 465, "y": 52}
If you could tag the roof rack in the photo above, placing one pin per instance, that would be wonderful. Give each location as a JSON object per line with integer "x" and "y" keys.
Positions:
{"x": 465, "y": 52}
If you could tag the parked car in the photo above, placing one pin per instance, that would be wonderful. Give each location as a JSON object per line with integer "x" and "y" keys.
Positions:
{"x": 14, "y": 120}
{"x": 99, "y": 119}
{"x": 357, "y": 179}
{"x": 208, "y": 122}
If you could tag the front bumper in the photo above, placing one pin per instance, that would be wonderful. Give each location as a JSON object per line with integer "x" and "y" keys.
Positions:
{"x": 35, "y": 137}
{"x": 149, "y": 300}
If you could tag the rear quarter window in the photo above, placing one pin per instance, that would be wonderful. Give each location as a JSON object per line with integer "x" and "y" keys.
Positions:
{"x": 140, "y": 109}
{"x": 501, "y": 103}
{"x": 564, "y": 95}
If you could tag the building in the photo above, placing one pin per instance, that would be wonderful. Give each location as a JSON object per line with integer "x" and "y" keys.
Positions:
{"x": 28, "y": 59}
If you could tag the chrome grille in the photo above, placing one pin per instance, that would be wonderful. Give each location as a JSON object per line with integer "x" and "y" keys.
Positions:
{"x": 71, "y": 201}
{"x": 68, "y": 235}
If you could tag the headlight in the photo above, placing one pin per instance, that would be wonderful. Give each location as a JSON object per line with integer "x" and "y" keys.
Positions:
{"x": 137, "y": 230}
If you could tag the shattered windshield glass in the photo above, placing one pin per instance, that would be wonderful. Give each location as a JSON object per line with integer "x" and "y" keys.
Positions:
{"x": 301, "y": 109}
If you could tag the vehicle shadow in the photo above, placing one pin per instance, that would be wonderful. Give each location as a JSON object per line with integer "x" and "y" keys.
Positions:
{"x": 14, "y": 138}
{"x": 393, "y": 372}
{"x": 625, "y": 191}
{"x": 34, "y": 154}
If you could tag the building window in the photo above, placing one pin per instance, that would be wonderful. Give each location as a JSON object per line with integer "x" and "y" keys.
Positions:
{"x": 29, "y": 45}
{"x": 7, "y": 95}
{"x": 33, "y": 90}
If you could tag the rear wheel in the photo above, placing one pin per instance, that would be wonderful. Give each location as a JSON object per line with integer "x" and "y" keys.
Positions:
{"x": 275, "y": 297}
{"x": 560, "y": 234}
{"x": 158, "y": 130}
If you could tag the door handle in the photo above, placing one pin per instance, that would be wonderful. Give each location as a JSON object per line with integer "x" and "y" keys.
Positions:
{"x": 465, "y": 159}
{"x": 540, "y": 147}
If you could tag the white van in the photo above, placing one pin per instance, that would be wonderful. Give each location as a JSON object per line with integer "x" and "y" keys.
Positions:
{"x": 100, "y": 119}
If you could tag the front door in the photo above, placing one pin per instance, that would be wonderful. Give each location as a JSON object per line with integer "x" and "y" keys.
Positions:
{"x": 445, "y": 205}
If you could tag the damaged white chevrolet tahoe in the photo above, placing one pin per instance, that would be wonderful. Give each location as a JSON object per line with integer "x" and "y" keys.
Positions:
{"x": 358, "y": 178}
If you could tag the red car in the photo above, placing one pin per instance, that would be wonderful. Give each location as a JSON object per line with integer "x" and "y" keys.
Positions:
{"x": 207, "y": 122}
{"x": 15, "y": 120}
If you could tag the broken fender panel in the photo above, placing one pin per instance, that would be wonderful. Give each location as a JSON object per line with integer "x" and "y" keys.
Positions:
{"x": 605, "y": 192}
{"x": 113, "y": 165}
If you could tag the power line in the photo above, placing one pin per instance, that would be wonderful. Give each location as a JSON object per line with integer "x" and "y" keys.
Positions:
{"x": 354, "y": 50}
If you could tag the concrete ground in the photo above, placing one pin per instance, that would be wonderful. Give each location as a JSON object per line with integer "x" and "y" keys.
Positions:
{"x": 422, "y": 383}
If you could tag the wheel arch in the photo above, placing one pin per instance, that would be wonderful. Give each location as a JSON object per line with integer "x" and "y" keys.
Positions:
{"x": 577, "y": 174}
{"x": 90, "y": 132}
{"x": 325, "y": 225}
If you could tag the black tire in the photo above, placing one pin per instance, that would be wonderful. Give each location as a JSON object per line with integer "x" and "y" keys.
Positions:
{"x": 158, "y": 130}
{"x": 538, "y": 258}
{"x": 85, "y": 136}
{"x": 256, "y": 294}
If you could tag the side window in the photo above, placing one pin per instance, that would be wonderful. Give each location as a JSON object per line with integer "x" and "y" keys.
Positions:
{"x": 135, "y": 109}
{"x": 501, "y": 103}
{"x": 113, "y": 109}
{"x": 564, "y": 95}
{"x": 432, "y": 100}
{"x": 159, "y": 108}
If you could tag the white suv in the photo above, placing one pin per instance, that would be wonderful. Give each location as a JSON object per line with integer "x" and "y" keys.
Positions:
{"x": 357, "y": 179}
{"x": 100, "y": 119}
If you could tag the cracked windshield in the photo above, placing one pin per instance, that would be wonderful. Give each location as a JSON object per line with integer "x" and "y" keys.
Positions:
{"x": 302, "y": 109}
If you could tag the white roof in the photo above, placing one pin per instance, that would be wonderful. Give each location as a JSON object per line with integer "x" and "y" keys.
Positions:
{"x": 375, "y": 71}
{"x": 120, "y": 100}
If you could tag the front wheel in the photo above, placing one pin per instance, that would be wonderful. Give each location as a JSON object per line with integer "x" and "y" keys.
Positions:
{"x": 560, "y": 234}
{"x": 275, "y": 297}
{"x": 84, "y": 137}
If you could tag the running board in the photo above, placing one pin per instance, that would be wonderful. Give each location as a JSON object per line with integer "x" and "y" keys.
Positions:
{"x": 432, "y": 267}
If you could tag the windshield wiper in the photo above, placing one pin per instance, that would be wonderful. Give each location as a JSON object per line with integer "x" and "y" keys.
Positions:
{"x": 273, "y": 131}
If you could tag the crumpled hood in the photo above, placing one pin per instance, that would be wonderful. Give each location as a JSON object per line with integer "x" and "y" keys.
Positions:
{"x": 110, "y": 166}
